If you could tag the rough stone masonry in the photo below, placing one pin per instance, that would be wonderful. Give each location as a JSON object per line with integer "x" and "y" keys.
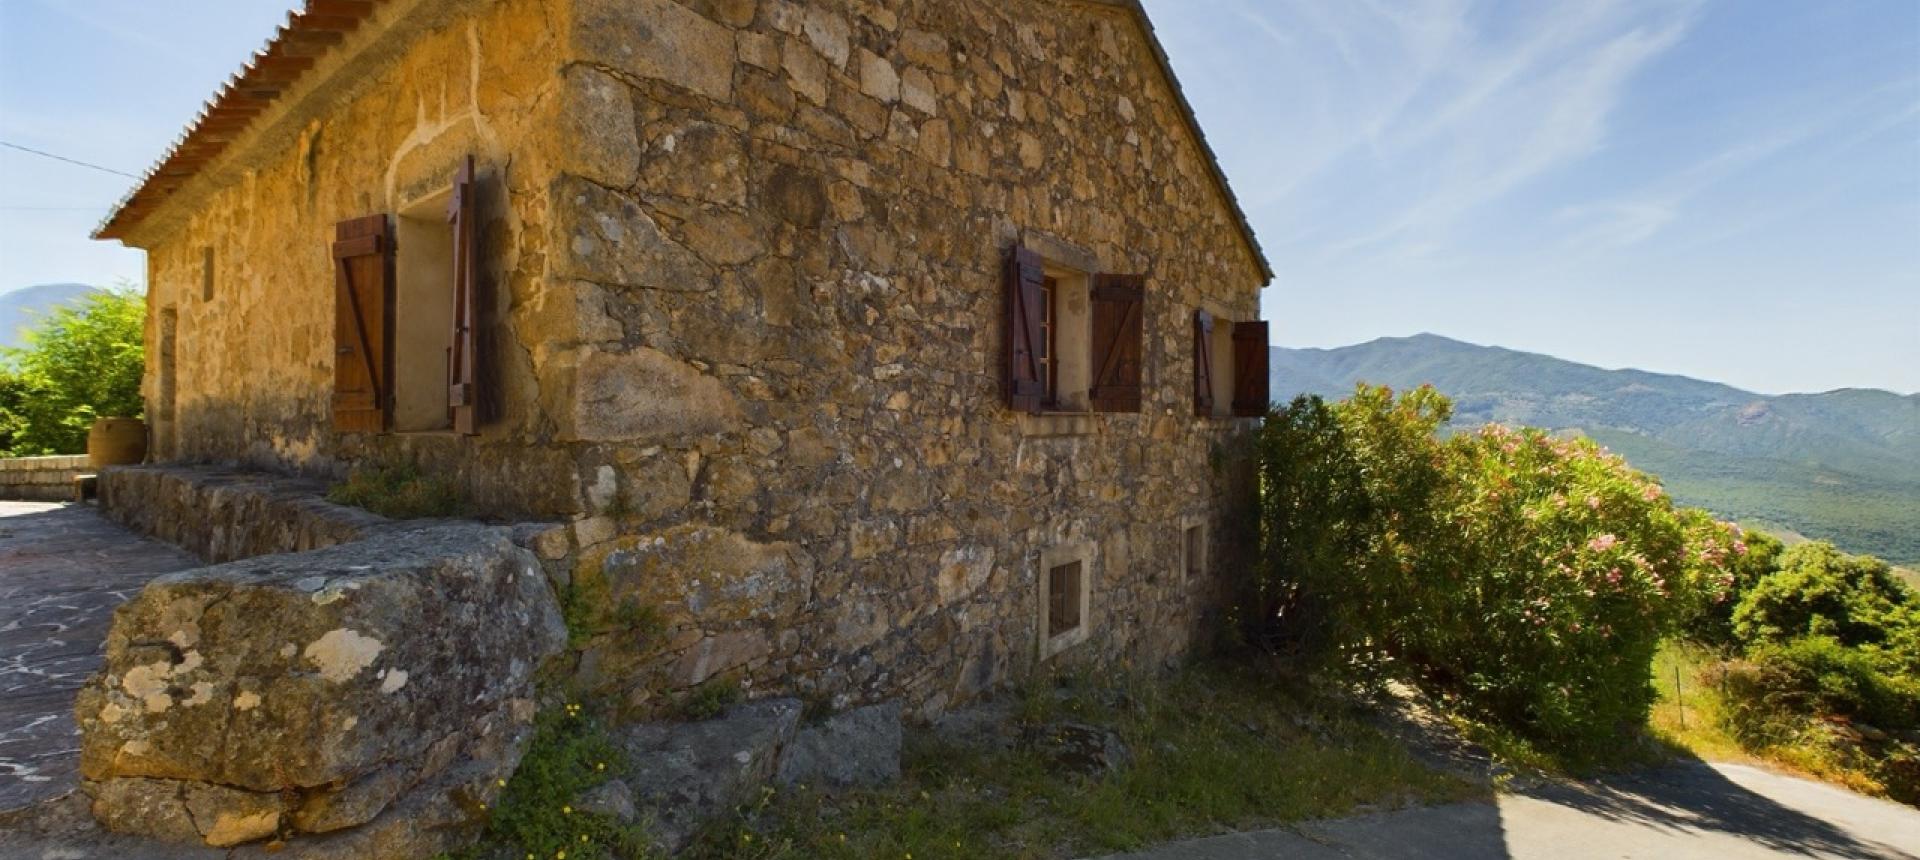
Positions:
{"x": 310, "y": 693}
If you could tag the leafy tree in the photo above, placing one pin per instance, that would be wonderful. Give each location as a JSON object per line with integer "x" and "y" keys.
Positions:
{"x": 79, "y": 364}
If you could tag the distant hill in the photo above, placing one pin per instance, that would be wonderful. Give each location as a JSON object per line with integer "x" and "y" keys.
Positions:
{"x": 1843, "y": 465}
{"x": 20, "y": 309}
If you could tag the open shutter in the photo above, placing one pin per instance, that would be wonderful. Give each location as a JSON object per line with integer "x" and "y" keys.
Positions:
{"x": 1202, "y": 363}
{"x": 1250, "y": 397}
{"x": 1025, "y": 287}
{"x": 463, "y": 393}
{"x": 1119, "y": 334}
{"x": 362, "y": 325}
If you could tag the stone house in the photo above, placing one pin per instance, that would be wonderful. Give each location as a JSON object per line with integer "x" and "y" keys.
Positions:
{"x": 880, "y": 348}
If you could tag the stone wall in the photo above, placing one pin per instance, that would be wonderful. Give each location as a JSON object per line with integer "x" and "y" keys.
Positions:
{"x": 41, "y": 479}
{"x": 225, "y": 515}
{"x": 746, "y": 259}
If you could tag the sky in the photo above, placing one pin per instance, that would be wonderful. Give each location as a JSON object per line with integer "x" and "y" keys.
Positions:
{"x": 1728, "y": 189}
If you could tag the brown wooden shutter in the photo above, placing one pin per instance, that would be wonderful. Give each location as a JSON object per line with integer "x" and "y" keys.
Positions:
{"x": 1119, "y": 335}
{"x": 463, "y": 393}
{"x": 1202, "y": 363}
{"x": 1025, "y": 288}
{"x": 1250, "y": 398}
{"x": 363, "y": 325}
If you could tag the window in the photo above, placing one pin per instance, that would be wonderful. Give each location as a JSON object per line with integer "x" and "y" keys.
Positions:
{"x": 1229, "y": 367}
{"x": 206, "y": 273}
{"x": 1193, "y": 550}
{"x": 1063, "y": 599}
{"x": 404, "y": 322}
{"x": 1073, "y": 338}
{"x": 1065, "y": 591}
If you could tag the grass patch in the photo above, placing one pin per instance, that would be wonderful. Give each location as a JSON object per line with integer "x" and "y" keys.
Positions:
{"x": 398, "y": 492}
{"x": 568, "y": 754}
{"x": 1214, "y": 749}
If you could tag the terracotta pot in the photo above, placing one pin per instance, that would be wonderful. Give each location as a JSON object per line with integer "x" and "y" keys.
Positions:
{"x": 117, "y": 442}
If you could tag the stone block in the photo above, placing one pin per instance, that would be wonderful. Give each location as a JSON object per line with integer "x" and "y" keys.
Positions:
{"x": 330, "y": 678}
{"x": 657, "y": 39}
{"x": 859, "y": 748}
{"x": 686, "y": 773}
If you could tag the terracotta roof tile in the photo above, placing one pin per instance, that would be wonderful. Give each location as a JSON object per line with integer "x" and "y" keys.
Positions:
{"x": 310, "y": 32}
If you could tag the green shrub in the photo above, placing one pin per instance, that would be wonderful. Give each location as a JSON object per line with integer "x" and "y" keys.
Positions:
{"x": 1822, "y": 592}
{"x": 1343, "y": 490}
{"x": 399, "y": 492}
{"x": 1818, "y": 676}
{"x": 1755, "y": 555}
{"x": 1531, "y": 578}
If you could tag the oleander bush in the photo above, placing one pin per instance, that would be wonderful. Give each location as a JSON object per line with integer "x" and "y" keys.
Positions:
{"x": 1526, "y": 577}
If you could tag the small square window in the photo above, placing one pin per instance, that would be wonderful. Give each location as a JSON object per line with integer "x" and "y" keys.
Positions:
{"x": 1063, "y": 599}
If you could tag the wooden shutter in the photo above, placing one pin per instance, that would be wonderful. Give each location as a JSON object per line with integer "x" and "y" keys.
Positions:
{"x": 1250, "y": 398}
{"x": 1202, "y": 363}
{"x": 1119, "y": 335}
{"x": 463, "y": 393}
{"x": 363, "y": 325}
{"x": 1025, "y": 288}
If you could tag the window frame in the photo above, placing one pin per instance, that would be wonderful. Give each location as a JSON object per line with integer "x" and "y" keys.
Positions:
{"x": 1082, "y": 553}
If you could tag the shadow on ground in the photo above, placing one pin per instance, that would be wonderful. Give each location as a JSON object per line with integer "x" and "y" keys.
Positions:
{"x": 1694, "y": 797}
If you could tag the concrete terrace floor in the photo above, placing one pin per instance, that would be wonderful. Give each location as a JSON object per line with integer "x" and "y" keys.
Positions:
{"x": 63, "y": 570}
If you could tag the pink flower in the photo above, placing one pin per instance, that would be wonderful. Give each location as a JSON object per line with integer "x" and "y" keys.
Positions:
{"x": 1613, "y": 576}
{"x": 1739, "y": 547}
{"x": 1602, "y": 543}
{"x": 1651, "y": 492}
{"x": 1593, "y": 502}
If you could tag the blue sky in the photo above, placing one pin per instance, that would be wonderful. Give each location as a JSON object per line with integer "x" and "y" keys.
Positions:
{"x": 1729, "y": 189}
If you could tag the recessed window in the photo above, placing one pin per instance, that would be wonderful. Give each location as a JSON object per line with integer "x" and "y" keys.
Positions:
{"x": 1073, "y": 337}
{"x": 206, "y": 273}
{"x": 1193, "y": 551}
{"x": 1065, "y": 580}
{"x": 1063, "y": 603}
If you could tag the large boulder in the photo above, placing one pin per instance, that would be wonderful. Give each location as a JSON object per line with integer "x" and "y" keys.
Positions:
{"x": 311, "y": 692}
{"x": 859, "y": 748}
{"x": 687, "y": 773}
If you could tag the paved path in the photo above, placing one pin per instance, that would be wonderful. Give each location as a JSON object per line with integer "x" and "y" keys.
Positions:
{"x": 63, "y": 569}
{"x": 1687, "y": 812}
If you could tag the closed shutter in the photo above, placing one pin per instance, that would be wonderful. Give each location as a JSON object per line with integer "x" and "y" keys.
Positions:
{"x": 362, "y": 325}
{"x": 1025, "y": 289}
{"x": 1250, "y": 398}
{"x": 1119, "y": 334}
{"x": 1202, "y": 363}
{"x": 463, "y": 393}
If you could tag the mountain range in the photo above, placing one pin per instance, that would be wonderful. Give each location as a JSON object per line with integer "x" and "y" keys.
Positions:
{"x": 20, "y": 309}
{"x": 1842, "y": 465}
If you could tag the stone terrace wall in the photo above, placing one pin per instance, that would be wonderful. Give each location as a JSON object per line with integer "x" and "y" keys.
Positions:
{"x": 226, "y": 515}
{"x": 41, "y": 479}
